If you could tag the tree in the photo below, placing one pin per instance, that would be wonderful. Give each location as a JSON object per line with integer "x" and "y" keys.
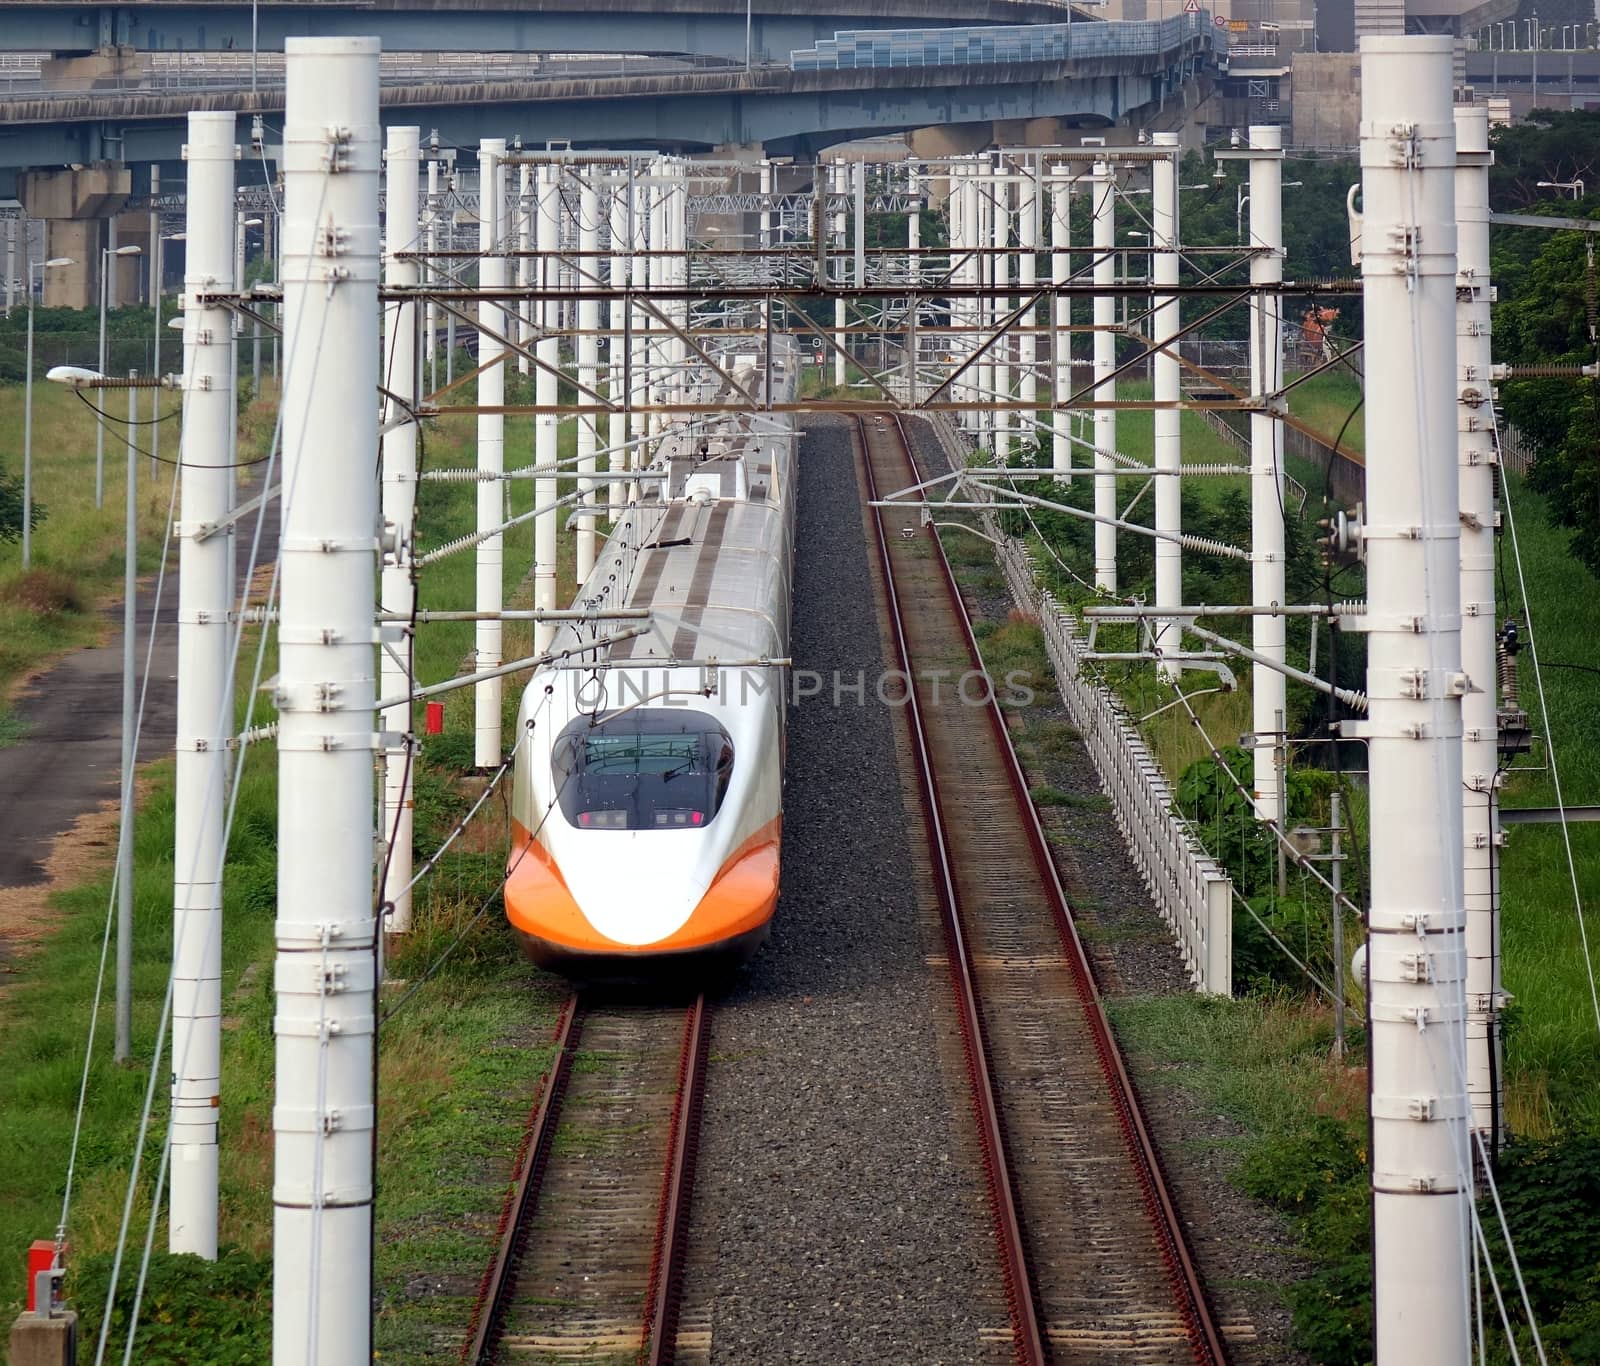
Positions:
{"x": 1544, "y": 318}
{"x": 1552, "y": 145}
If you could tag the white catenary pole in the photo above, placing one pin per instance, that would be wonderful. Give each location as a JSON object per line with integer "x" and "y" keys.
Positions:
{"x": 205, "y": 688}
{"x": 1267, "y": 632}
{"x": 525, "y": 264}
{"x": 155, "y": 308}
{"x": 130, "y": 628}
{"x": 1479, "y": 721}
{"x": 326, "y": 932}
{"x": 639, "y": 265}
{"x": 964, "y": 210}
{"x": 401, "y": 227}
{"x": 546, "y": 389}
{"x": 1061, "y": 340}
{"x": 678, "y": 226}
{"x": 955, "y": 207}
{"x": 1416, "y": 964}
{"x": 840, "y": 173}
{"x": 914, "y": 184}
{"x": 1000, "y": 303}
{"x": 588, "y": 357}
{"x": 100, "y": 362}
{"x": 765, "y": 183}
{"x": 858, "y": 225}
{"x": 984, "y": 267}
{"x": 492, "y": 274}
{"x": 1166, "y": 421}
{"x": 1103, "y": 186}
{"x": 616, "y": 343}
{"x": 432, "y": 324}
{"x": 1028, "y": 208}
{"x": 656, "y": 279}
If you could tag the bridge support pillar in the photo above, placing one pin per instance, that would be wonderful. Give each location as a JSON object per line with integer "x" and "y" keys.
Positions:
{"x": 74, "y": 206}
{"x": 109, "y": 67}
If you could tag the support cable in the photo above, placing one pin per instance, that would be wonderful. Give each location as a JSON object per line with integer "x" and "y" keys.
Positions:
{"x": 105, "y": 942}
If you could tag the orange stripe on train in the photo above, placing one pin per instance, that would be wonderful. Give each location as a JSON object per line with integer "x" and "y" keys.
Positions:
{"x": 741, "y": 898}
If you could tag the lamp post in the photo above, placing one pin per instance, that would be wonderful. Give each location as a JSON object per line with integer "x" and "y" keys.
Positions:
{"x": 1242, "y": 198}
{"x": 155, "y": 351}
{"x": 79, "y": 378}
{"x": 243, "y": 225}
{"x": 1573, "y": 187}
{"x": 54, "y": 263}
{"x": 106, "y": 253}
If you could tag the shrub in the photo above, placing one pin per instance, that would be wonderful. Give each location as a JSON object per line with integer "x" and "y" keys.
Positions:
{"x": 44, "y": 593}
{"x": 193, "y": 1312}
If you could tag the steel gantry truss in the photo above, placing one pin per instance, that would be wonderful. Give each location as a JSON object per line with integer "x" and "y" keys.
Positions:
{"x": 627, "y": 292}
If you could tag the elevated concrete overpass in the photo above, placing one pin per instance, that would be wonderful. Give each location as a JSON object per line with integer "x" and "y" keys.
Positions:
{"x": 789, "y": 112}
{"x": 78, "y": 156}
{"x": 705, "y": 28}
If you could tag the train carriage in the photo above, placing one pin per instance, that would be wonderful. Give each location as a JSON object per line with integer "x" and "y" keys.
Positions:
{"x": 648, "y": 776}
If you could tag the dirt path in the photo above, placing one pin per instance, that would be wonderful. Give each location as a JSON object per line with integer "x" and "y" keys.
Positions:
{"x": 58, "y": 784}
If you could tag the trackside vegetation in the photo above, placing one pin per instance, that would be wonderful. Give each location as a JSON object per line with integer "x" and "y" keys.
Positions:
{"x": 464, "y": 1035}
{"x": 1263, "y": 1059}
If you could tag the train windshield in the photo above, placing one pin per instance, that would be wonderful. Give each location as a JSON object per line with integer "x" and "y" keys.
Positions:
{"x": 645, "y": 769}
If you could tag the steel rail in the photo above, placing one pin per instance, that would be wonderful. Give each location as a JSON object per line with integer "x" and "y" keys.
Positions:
{"x": 670, "y": 1236}
{"x": 1028, "y": 1340}
{"x": 514, "y": 1219}
{"x": 666, "y": 1268}
{"x": 1205, "y": 1337}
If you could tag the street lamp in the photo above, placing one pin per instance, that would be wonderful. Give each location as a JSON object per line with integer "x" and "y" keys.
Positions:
{"x": 54, "y": 263}
{"x": 1242, "y": 197}
{"x": 238, "y": 283}
{"x": 80, "y": 378}
{"x": 155, "y": 353}
{"x": 1573, "y": 187}
{"x": 106, "y": 253}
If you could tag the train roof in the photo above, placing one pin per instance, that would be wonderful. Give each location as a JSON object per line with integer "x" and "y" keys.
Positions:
{"x": 706, "y": 549}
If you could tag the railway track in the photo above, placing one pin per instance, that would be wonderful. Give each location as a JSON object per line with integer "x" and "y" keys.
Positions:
{"x": 589, "y": 1262}
{"x": 1091, "y": 1251}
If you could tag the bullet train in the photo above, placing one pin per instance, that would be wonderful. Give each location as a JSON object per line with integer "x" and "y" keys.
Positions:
{"x": 647, "y": 800}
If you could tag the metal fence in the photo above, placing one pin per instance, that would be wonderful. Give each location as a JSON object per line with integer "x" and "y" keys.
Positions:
{"x": 1191, "y": 892}
{"x": 1344, "y": 477}
{"x": 236, "y": 71}
{"x": 1516, "y": 454}
{"x": 1193, "y": 895}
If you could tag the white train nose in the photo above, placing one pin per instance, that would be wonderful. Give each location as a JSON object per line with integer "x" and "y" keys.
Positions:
{"x": 640, "y": 887}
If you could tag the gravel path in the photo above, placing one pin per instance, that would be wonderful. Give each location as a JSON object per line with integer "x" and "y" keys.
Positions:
{"x": 838, "y": 1211}
{"x": 1245, "y": 1250}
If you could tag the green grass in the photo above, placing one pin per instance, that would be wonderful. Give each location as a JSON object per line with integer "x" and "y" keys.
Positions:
{"x": 1324, "y": 402}
{"x": 1553, "y": 1037}
{"x": 459, "y": 1061}
{"x": 77, "y": 547}
{"x": 1265, "y": 1062}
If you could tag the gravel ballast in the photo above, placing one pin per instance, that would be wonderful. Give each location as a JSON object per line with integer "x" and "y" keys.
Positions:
{"x": 839, "y": 1214}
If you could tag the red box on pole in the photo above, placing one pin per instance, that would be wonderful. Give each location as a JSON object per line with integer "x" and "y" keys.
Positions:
{"x": 41, "y": 1257}
{"x": 435, "y": 718}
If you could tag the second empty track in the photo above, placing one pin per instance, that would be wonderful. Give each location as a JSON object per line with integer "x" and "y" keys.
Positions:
{"x": 1091, "y": 1250}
